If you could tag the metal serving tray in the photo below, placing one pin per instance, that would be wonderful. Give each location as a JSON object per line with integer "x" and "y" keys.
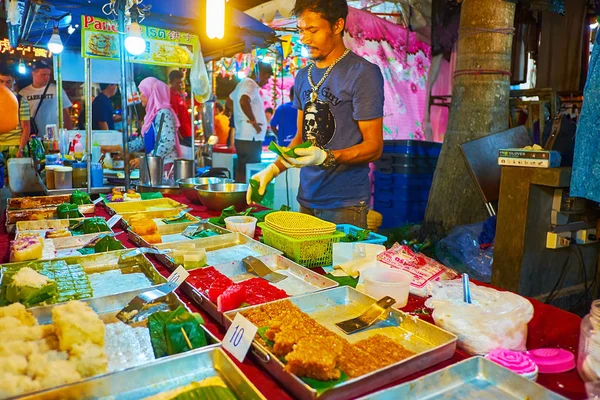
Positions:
{"x": 14, "y": 216}
{"x": 143, "y": 205}
{"x": 157, "y": 216}
{"x": 103, "y": 262}
{"x": 107, "y": 308}
{"x": 431, "y": 344}
{"x": 173, "y": 233}
{"x": 473, "y": 379}
{"x": 160, "y": 376}
{"x": 300, "y": 281}
{"x": 222, "y": 249}
{"x": 19, "y": 203}
{"x": 42, "y": 226}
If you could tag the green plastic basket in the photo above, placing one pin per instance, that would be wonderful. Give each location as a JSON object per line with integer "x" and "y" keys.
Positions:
{"x": 309, "y": 252}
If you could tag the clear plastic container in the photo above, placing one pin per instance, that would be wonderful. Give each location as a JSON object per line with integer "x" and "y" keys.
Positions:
{"x": 63, "y": 177}
{"x": 79, "y": 175}
{"x": 381, "y": 282}
{"x": 50, "y": 176}
{"x": 588, "y": 361}
{"x": 241, "y": 224}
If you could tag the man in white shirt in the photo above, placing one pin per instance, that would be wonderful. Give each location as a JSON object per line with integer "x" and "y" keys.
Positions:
{"x": 250, "y": 119}
{"x": 44, "y": 112}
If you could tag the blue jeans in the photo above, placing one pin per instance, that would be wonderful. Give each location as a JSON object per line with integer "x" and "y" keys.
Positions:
{"x": 355, "y": 215}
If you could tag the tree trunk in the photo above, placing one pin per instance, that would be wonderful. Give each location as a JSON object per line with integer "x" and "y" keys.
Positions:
{"x": 479, "y": 108}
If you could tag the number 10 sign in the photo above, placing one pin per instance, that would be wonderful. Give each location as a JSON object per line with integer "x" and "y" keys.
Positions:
{"x": 239, "y": 337}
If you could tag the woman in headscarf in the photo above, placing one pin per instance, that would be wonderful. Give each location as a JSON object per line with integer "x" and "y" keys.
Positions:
{"x": 155, "y": 96}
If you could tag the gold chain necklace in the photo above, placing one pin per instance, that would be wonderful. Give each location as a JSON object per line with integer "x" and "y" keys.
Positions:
{"x": 315, "y": 88}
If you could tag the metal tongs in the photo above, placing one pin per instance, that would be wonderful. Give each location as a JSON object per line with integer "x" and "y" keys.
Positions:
{"x": 179, "y": 216}
{"x": 368, "y": 317}
{"x": 142, "y": 250}
{"x": 257, "y": 267}
{"x": 132, "y": 312}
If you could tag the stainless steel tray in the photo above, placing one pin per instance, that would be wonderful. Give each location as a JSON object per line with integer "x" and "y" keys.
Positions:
{"x": 161, "y": 376}
{"x": 173, "y": 233}
{"x": 300, "y": 281}
{"x": 106, "y": 384}
{"x": 431, "y": 344}
{"x": 475, "y": 378}
{"x": 135, "y": 207}
{"x": 17, "y": 203}
{"x": 104, "y": 262}
{"x": 157, "y": 216}
{"x": 222, "y": 249}
{"x": 42, "y": 226}
{"x": 14, "y": 216}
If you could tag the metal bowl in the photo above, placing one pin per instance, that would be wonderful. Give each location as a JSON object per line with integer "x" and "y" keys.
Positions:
{"x": 188, "y": 185}
{"x": 218, "y": 196}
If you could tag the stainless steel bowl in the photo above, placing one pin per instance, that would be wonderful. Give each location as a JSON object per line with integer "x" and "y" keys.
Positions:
{"x": 218, "y": 196}
{"x": 188, "y": 185}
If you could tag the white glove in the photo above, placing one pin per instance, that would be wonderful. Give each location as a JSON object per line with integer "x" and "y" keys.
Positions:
{"x": 309, "y": 156}
{"x": 263, "y": 177}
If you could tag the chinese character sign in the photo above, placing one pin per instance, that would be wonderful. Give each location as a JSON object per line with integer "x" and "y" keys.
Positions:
{"x": 23, "y": 51}
{"x": 100, "y": 39}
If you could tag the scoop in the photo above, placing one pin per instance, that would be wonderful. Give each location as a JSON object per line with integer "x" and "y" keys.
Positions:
{"x": 257, "y": 267}
{"x": 368, "y": 317}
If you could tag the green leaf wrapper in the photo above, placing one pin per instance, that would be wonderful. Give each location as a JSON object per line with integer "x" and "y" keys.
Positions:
{"x": 289, "y": 153}
{"x": 166, "y": 336}
{"x": 256, "y": 196}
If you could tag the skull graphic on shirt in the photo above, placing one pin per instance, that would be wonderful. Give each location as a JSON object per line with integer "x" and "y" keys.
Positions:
{"x": 319, "y": 124}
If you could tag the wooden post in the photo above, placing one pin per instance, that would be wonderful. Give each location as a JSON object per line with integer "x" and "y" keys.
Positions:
{"x": 480, "y": 100}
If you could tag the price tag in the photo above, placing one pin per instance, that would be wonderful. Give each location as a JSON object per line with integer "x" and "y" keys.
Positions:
{"x": 113, "y": 220}
{"x": 239, "y": 337}
{"x": 190, "y": 230}
{"x": 98, "y": 200}
{"x": 178, "y": 276}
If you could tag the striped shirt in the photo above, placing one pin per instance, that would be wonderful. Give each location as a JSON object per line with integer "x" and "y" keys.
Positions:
{"x": 13, "y": 138}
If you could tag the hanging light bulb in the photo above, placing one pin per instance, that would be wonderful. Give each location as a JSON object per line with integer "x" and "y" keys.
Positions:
{"x": 55, "y": 45}
{"x": 22, "y": 68}
{"x": 134, "y": 43}
{"x": 241, "y": 74}
{"x": 215, "y": 19}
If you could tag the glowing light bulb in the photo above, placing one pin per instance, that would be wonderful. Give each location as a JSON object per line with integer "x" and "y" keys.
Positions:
{"x": 21, "y": 68}
{"x": 55, "y": 44}
{"x": 134, "y": 43}
{"x": 241, "y": 74}
{"x": 215, "y": 19}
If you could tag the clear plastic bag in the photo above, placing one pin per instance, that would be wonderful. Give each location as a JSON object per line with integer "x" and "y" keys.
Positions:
{"x": 201, "y": 85}
{"x": 494, "y": 319}
{"x": 463, "y": 251}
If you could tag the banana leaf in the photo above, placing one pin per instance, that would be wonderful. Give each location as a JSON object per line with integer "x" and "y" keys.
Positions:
{"x": 360, "y": 236}
{"x": 285, "y": 152}
{"x": 207, "y": 393}
{"x": 228, "y": 212}
{"x": 166, "y": 336}
{"x": 79, "y": 198}
{"x": 256, "y": 196}
{"x": 31, "y": 296}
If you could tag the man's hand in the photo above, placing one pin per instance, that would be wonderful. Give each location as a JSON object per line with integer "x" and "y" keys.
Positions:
{"x": 19, "y": 153}
{"x": 264, "y": 177}
{"x": 256, "y": 126}
{"x": 134, "y": 163}
{"x": 309, "y": 156}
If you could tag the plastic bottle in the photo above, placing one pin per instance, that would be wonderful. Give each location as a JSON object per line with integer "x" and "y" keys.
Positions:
{"x": 78, "y": 150}
{"x": 108, "y": 162}
{"x": 96, "y": 152}
{"x": 588, "y": 362}
{"x": 35, "y": 150}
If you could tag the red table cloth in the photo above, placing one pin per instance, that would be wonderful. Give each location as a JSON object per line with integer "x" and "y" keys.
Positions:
{"x": 550, "y": 327}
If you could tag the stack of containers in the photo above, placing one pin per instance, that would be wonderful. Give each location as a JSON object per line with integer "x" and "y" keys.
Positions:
{"x": 403, "y": 177}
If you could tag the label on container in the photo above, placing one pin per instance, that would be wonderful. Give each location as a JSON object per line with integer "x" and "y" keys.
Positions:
{"x": 98, "y": 200}
{"x": 178, "y": 276}
{"x": 239, "y": 337}
{"x": 113, "y": 220}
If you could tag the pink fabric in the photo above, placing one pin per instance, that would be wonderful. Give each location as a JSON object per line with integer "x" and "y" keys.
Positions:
{"x": 404, "y": 63}
{"x": 158, "y": 94}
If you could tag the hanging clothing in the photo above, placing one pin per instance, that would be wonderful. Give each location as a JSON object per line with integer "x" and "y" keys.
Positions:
{"x": 585, "y": 179}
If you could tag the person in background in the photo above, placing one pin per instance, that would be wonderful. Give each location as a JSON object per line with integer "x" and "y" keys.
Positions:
{"x": 221, "y": 124}
{"x": 179, "y": 105}
{"x": 43, "y": 102}
{"x": 102, "y": 109}
{"x": 270, "y": 136}
{"x": 250, "y": 119}
{"x": 285, "y": 121}
{"x": 13, "y": 143}
{"x": 155, "y": 96}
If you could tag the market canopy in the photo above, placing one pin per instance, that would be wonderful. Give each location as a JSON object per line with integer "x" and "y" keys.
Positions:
{"x": 242, "y": 32}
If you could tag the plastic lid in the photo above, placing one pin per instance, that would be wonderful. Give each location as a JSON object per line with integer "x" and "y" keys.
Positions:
{"x": 51, "y": 167}
{"x": 552, "y": 361}
{"x": 63, "y": 169}
{"x": 79, "y": 165}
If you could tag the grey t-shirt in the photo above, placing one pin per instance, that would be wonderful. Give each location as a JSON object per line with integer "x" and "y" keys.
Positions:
{"x": 352, "y": 92}
{"x": 48, "y": 112}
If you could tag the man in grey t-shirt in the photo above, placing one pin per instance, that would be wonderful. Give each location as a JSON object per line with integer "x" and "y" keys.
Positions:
{"x": 47, "y": 114}
{"x": 340, "y": 110}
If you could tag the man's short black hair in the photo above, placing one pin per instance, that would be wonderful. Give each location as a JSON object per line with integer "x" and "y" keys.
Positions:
{"x": 175, "y": 74}
{"x": 265, "y": 67}
{"x": 6, "y": 71}
{"x": 219, "y": 106}
{"x": 40, "y": 64}
{"x": 269, "y": 109}
{"x": 103, "y": 86}
{"x": 331, "y": 10}
{"x": 292, "y": 93}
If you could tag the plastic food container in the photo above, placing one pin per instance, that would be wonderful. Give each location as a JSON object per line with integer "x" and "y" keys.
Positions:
{"x": 79, "y": 175}
{"x": 50, "y": 176}
{"x": 63, "y": 177}
{"x": 97, "y": 175}
{"x": 588, "y": 363}
{"x": 241, "y": 224}
{"x": 381, "y": 282}
{"x": 52, "y": 159}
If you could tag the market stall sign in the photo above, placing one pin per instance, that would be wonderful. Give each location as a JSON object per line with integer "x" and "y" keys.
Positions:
{"x": 25, "y": 51}
{"x": 100, "y": 39}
